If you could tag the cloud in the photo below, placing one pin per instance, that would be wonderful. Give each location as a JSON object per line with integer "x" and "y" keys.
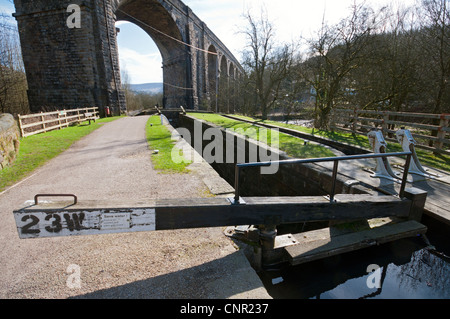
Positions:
{"x": 224, "y": 18}
{"x": 7, "y": 7}
{"x": 141, "y": 68}
{"x": 291, "y": 18}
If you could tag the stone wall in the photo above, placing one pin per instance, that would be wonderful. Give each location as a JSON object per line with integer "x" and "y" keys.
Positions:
{"x": 290, "y": 180}
{"x": 70, "y": 68}
{"x": 9, "y": 140}
{"x": 79, "y": 67}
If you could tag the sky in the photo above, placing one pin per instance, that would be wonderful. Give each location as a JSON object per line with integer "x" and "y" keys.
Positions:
{"x": 291, "y": 18}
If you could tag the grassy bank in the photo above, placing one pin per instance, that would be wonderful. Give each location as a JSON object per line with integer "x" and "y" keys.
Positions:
{"x": 426, "y": 157}
{"x": 38, "y": 149}
{"x": 160, "y": 138}
{"x": 293, "y": 146}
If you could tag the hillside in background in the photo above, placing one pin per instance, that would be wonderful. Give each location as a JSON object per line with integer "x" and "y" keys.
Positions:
{"x": 150, "y": 88}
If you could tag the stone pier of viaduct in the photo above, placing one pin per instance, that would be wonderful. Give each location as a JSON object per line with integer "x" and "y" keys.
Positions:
{"x": 70, "y": 66}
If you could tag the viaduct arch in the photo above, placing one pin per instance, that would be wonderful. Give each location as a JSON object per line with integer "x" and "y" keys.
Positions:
{"x": 70, "y": 67}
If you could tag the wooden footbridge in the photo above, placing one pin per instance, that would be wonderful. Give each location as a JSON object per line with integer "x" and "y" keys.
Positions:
{"x": 389, "y": 217}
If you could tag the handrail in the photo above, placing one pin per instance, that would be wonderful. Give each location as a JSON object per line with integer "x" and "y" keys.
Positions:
{"x": 336, "y": 161}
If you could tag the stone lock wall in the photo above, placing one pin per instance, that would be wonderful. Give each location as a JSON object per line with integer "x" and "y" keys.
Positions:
{"x": 290, "y": 180}
{"x": 9, "y": 140}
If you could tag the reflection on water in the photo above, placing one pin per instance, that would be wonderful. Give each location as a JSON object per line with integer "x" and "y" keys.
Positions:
{"x": 424, "y": 277}
{"x": 408, "y": 270}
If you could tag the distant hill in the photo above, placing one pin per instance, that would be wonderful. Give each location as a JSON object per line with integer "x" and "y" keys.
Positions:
{"x": 150, "y": 88}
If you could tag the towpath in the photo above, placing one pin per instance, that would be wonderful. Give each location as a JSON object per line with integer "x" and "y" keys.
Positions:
{"x": 114, "y": 163}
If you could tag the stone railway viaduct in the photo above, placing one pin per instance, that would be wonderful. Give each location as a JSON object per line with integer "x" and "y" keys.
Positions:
{"x": 71, "y": 67}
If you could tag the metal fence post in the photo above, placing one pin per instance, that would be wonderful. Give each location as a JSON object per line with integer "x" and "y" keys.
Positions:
{"x": 405, "y": 176}
{"x": 237, "y": 190}
{"x": 333, "y": 187}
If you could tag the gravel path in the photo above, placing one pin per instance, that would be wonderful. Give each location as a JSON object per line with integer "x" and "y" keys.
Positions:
{"x": 114, "y": 163}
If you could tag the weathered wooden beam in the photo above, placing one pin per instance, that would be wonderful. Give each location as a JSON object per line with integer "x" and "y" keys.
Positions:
{"x": 89, "y": 218}
{"x": 321, "y": 243}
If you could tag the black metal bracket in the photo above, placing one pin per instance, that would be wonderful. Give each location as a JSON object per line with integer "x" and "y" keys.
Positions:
{"x": 36, "y": 202}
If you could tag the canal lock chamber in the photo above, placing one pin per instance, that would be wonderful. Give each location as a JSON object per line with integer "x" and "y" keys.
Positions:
{"x": 400, "y": 261}
{"x": 285, "y": 181}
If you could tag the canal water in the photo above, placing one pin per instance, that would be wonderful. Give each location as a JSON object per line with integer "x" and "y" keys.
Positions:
{"x": 406, "y": 269}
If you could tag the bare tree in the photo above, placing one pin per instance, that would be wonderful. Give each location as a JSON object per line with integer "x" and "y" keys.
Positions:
{"x": 334, "y": 54}
{"x": 388, "y": 59}
{"x": 13, "y": 85}
{"x": 130, "y": 96}
{"x": 388, "y": 79}
{"x": 436, "y": 45}
{"x": 138, "y": 100}
{"x": 267, "y": 65}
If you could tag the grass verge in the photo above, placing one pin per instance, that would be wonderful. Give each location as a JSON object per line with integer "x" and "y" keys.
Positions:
{"x": 160, "y": 138}
{"x": 427, "y": 158}
{"x": 293, "y": 146}
{"x": 36, "y": 150}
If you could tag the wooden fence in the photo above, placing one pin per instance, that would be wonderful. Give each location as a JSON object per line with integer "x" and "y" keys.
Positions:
{"x": 431, "y": 131}
{"x": 43, "y": 122}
